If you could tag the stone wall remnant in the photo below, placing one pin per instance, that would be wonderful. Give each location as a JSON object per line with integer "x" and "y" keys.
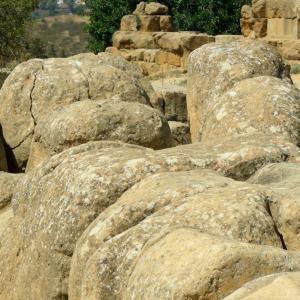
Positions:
{"x": 149, "y": 39}
{"x": 277, "y": 22}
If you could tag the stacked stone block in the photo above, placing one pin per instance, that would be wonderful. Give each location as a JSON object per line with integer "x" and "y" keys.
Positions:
{"x": 277, "y": 22}
{"x": 148, "y": 38}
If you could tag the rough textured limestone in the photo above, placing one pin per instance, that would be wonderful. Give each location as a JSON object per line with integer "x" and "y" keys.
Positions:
{"x": 278, "y": 286}
{"x": 273, "y": 109}
{"x": 253, "y": 23}
{"x": 152, "y": 8}
{"x": 198, "y": 199}
{"x": 38, "y": 86}
{"x": 214, "y": 68}
{"x": 8, "y": 185}
{"x": 215, "y": 266}
{"x": 85, "y": 121}
{"x": 6, "y": 215}
{"x": 172, "y": 90}
{"x": 180, "y": 133}
{"x": 284, "y": 179}
{"x": 57, "y": 202}
{"x": 275, "y": 21}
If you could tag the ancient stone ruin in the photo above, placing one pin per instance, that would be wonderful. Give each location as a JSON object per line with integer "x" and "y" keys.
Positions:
{"x": 102, "y": 205}
{"x": 149, "y": 39}
{"x": 277, "y": 21}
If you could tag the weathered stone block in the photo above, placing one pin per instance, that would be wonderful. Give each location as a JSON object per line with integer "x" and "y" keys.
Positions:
{"x": 176, "y": 42}
{"x": 259, "y": 8}
{"x": 289, "y": 49}
{"x": 260, "y": 27}
{"x": 150, "y": 55}
{"x": 154, "y": 8}
{"x": 134, "y": 40}
{"x": 173, "y": 93}
{"x": 288, "y": 9}
{"x": 228, "y": 38}
{"x": 283, "y": 28}
{"x": 148, "y": 23}
{"x": 169, "y": 58}
{"x": 130, "y": 55}
{"x": 166, "y": 23}
{"x": 140, "y": 9}
{"x": 129, "y": 23}
{"x": 180, "y": 133}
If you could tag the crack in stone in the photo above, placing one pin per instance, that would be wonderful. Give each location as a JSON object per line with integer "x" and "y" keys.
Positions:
{"x": 86, "y": 79}
{"x": 31, "y": 100}
{"x": 23, "y": 140}
{"x": 275, "y": 225}
{"x": 30, "y": 110}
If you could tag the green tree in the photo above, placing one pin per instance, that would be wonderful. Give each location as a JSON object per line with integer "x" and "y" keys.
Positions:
{"x": 52, "y": 7}
{"x": 14, "y": 15}
{"x": 71, "y": 5}
{"x": 210, "y": 16}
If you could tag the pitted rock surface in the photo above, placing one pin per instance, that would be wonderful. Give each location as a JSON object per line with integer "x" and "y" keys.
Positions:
{"x": 106, "y": 253}
{"x": 213, "y": 69}
{"x": 274, "y": 108}
{"x": 57, "y": 201}
{"x": 190, "y": 264}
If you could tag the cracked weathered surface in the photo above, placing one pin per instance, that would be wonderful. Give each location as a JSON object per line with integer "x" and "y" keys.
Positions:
{"x": 39, "y": 86}
{"x": 110, "y": 120}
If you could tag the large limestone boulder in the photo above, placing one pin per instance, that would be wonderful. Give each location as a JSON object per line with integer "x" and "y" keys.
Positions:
{"x": 198, "y": 199}
{"x": 56, "y": 202}
{"x": 279, "y": 286}
{"x": 274, "y": 109}
{"x": 284, "y": 179}
{"x": 38, "y": 86}
{"x": 85, "y": 121}
{"x": 214, "y": 68}
{"x": 54, "y": 205}
{"x": 215, "y": 266}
